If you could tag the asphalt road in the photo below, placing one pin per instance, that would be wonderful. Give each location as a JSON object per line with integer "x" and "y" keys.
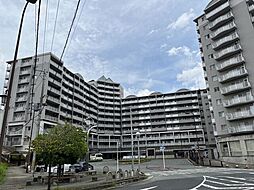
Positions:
{"x": 202, "y": 178}
{"x": 180, "y": 174}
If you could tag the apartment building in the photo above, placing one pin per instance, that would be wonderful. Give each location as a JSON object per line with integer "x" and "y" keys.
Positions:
{"x": 226, "y": 38}
{"x": 66, "y": 98}
{"x": 179, "y": 121}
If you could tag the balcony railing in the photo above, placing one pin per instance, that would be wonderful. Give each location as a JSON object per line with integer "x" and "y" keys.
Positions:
{"x": 14, "y": 133}
{"x": 26, "y": 80}
{"x": 218, "y": 11}
{"x": 241, "y": 128}
{"x": 223, "y": 30}
{"x": 220, "y": 20}
{"x": 233, "y": 75}
{"x": 55, "y": 119}
{"x": 251, "y": 8}
{"x": 224, "y": 41}
{"x": 230, "y": 62}
{"x": 228, "y": 51}
{"x": 240, "y": 115}
{"x": 238, "y": 101}
{"x": 235, "y": 87}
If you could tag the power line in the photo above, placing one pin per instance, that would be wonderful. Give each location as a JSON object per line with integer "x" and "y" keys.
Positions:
{"x": 74, "y": 31}
{"x": 54, "y": 31}
{"x": 69, "y": 33}
{"x": 45, "y": 28}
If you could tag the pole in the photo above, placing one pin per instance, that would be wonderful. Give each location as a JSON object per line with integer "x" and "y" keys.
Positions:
{"x": 117, "y": 158}
{"x": 138, "y": 154}
{"x": 132, "y": 160}
{"x": 87, "y": 141}
{"x": 163, "y": 158}
{"x": 8, "y": 98}
{"x": 39, "y": 117}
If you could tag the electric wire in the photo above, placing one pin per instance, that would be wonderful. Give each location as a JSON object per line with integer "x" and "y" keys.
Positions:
{"x": 72, "y": 23}
{"x": 54, "y": 30}
{"x": 45, "y": 29}
{"x": 74, "y": 31}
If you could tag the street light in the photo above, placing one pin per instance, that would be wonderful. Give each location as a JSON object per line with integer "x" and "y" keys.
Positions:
{"x": 138, "y": 136}
{"x": 8, "y": 97}
{"x": 132, "y": 160}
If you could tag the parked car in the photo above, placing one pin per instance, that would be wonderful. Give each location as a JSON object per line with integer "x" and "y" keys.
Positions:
{"x": 86, "y": 167}
{"x": 96, "y": 157}
{"x": 75, "y": 168}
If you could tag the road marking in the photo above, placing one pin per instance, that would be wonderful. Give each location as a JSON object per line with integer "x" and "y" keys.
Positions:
{"x": 148, "y": 188}
{"x": 228, "y": 188}
{"x": 201, "y": 184}
{"x": 237, "y": 178}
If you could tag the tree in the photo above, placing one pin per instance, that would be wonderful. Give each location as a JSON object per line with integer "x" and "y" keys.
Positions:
{"x": 63, "y": 144}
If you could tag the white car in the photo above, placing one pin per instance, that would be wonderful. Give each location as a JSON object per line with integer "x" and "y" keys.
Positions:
{"x": 96, "y": 157}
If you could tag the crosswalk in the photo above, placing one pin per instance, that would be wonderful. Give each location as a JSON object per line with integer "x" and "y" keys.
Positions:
{"x": 196, "y": 171}
{"x": 225, "y": 182}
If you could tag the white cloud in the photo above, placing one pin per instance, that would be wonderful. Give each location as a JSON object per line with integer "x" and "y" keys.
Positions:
{"x": 192, "y": 78}
{"x": 183, "y": 21}
{"x": 137, "y": 92}
{"x": 179, "y": 51}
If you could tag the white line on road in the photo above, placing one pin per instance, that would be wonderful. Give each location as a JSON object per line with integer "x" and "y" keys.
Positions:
{"x": 148, "y": 188}
{"x": 237, "y": 178}
{"x": 195, "y": 188}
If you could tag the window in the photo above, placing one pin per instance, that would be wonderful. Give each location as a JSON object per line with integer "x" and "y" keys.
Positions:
{"x": 210, "y": 56}
{"x": 216, "y": 89}
{"x": 207, "y": 36}
{"x": 221, "y": 114}
{"x": 214, "y": 78}
{"x": 205, "y": 26}
{"x": 218, "y": 102}
{"x": 208, "y": 46}
{"x": 212, "y": 67}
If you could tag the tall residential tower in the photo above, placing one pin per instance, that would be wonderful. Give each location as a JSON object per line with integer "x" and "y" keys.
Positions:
{"x": 226, "y": 37}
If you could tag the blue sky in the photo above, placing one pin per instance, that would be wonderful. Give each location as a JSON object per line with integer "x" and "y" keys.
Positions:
{"x": 146, "y": 45}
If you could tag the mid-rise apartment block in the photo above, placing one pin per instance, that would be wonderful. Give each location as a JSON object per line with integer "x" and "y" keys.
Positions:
{"x": 226, "y": 37}
{"x": 180, "y": 121}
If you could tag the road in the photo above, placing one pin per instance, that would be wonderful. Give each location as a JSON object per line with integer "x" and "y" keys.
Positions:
{"x": 181, "y": 175}
{"x": 196, "y": 179}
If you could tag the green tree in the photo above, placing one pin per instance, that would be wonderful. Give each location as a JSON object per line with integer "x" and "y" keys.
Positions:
{"x": 63, "y": 144}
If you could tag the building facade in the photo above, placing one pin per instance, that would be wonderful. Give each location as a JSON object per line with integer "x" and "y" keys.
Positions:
{"x": 226, "y": 37}
{"x": 179, "y": 121}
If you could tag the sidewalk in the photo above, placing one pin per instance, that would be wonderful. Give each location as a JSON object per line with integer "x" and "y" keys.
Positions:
{"x": 15, "y": 179}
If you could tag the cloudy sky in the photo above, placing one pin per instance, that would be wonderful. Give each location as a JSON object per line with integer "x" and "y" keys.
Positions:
{"x": 146, "y": 45}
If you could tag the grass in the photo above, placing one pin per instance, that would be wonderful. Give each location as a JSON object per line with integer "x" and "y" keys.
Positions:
{"x": 3, "y": 169}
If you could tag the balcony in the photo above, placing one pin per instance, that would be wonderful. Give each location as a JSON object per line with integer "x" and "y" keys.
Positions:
{"x": 235, "y": 88}
{"x": 238, "y": 101}
{"x": 15, "y": 133}
{"x": 251, "y": 8}
{"x": 52, "y": 99}
{"x": 234, "y": 74}
{"x": 240, "y": 115}
{"x": 234, "y": 61}
{"x": 25, "y": 72}
{"x": 241, "y": 129}
{"x": 222, "y": 9}
{"x": 54, "y": 119}
{"x": 21, "y": 99}
{"x": 225, "y": 41}
{"x": 25, "y": 80}
{"x": 223, "y": 30}
{"x": 228, "y": 52}
{"x": 22, "y": 89}
{"x": 220, "y": 21}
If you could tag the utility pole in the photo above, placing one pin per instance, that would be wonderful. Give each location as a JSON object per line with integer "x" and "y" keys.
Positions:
{"x": 39, "y": 118}
{"x": 8, "y": 97}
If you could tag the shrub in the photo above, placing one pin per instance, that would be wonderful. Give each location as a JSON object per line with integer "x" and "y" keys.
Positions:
{"x": 3, "y": 169}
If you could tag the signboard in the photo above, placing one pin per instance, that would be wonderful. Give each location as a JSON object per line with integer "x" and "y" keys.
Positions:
{"x": 162, "y": 148}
